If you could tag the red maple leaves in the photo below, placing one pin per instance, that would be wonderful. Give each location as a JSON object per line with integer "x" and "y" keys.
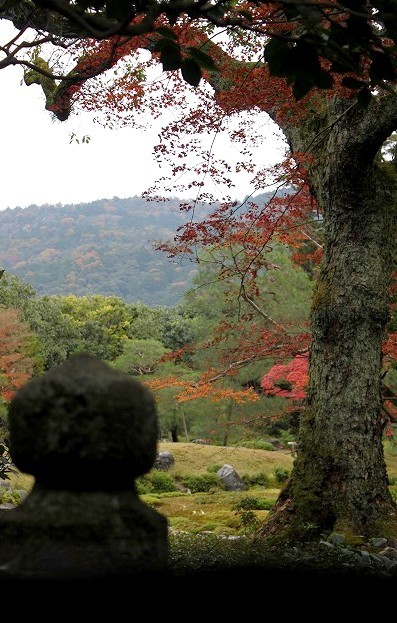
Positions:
{"x": 288, "y": 380}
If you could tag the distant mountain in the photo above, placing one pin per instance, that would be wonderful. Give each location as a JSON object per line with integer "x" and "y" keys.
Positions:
{"x": 103, "y": 247}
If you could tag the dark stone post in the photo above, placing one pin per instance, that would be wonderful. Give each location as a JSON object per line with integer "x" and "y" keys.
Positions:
{"x": 84, "y": 431}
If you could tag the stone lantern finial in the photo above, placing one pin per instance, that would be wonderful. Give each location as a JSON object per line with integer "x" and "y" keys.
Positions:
{"x": 85, "y": 431}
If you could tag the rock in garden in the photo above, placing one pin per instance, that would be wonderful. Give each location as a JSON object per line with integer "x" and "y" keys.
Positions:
{"x": 230, "y": 478}
{"x": 164, "y": 461}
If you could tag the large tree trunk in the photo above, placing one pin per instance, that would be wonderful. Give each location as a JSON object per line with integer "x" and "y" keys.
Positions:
{"x": 339, "y": 480}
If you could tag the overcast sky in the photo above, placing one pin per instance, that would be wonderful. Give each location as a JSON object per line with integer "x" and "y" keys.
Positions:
{"x": 39, "y": 165}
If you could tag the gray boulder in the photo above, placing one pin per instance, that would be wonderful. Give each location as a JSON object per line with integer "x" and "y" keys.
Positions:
{"x": 230, "y": 478}
{"x": 164, "y": 461}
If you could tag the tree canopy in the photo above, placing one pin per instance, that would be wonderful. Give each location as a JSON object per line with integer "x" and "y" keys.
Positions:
{"x": 306, "y": 42}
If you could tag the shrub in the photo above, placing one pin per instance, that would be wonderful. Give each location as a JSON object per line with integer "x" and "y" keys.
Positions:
{"x": 143, "y": 485}
{"x": 155, "y": 482}
{"x": 248, "y": 520}
{"x": 201, "y": 483}
{"x": 252, "y": 480}
{"x": 253, "y": 504}
{"x": 202, "y": 552}
{"x": 213, "y": 469}
{"x": 281, "y": 474}
{"x": 162, "y": 482}
{"x": 11, "y": 496}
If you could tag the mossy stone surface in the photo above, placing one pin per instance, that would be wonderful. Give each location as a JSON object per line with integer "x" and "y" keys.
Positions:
{"x": 83, "y": 425}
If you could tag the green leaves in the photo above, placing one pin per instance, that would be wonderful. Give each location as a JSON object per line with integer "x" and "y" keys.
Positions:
{"x": 203, "y": 60}
{"x": 170, "y": 54}
{"x": 346, "y": 42}
{"x": 191, "y": 72}
{"x": 277, "y": 55}
{"x": 299, "y": 64}
{"x": 191, "y": 61}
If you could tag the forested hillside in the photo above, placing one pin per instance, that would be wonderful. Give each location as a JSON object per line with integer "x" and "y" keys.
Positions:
{"x": 103, "y": 247}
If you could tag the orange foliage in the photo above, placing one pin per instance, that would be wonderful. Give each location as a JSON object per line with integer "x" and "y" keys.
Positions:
{"x": 204, "y": 388}
{"x": 314, "y": 257}
{"x": 16, "y": 364}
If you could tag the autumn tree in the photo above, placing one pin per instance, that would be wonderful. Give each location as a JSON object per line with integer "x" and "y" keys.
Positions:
{"x": 19, "y": 359}
{"x": 232, "y": 343}
{"x": 202, "y": 389}
{"x": 56, "y": 336}
{"x": 339, "y": 479}
{"x": 315, "y": 40}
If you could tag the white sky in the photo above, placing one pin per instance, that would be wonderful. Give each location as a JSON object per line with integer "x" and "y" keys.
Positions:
{"x": 39, "y": 165}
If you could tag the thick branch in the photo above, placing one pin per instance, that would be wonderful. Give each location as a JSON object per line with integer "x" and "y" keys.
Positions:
{"x": 378, "y": 122}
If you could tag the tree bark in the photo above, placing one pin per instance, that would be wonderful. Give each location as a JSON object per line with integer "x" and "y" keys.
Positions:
{"x": 339, "y": 479}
